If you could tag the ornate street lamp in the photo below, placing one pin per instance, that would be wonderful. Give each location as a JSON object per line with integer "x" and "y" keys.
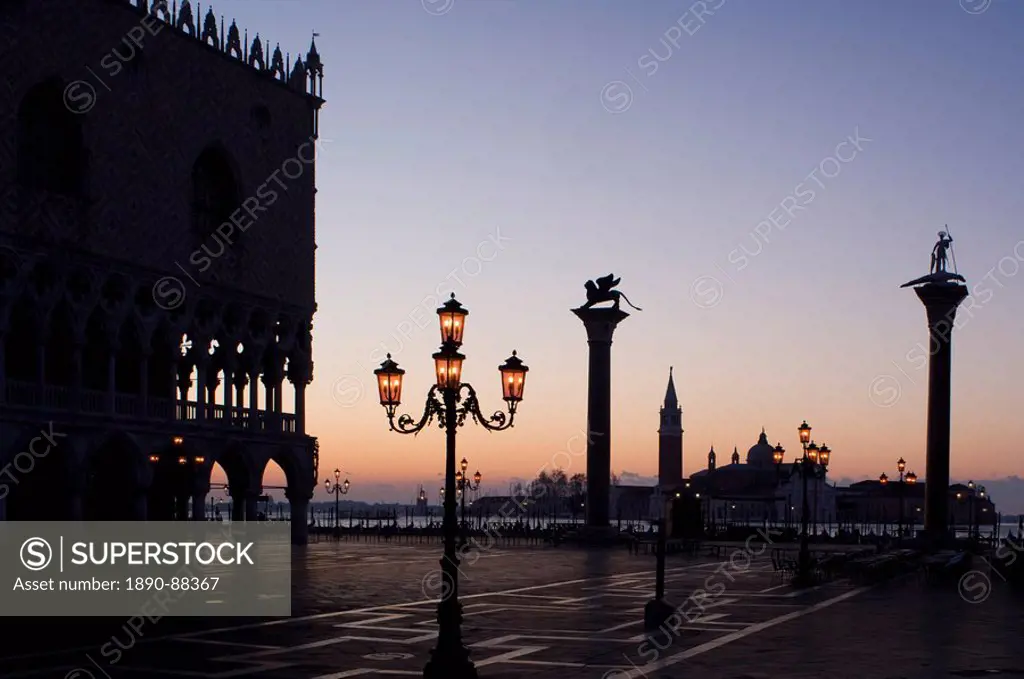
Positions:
{"x": 813, "y": 463}
{"x": 901, "y": 467}
{"x": 451, "y": 401}
{"x": 463, "y": 486}
{"x": 338, "y": 489}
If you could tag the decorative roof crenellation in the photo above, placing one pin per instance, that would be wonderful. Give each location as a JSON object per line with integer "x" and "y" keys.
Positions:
{"x": 302, "y": 76}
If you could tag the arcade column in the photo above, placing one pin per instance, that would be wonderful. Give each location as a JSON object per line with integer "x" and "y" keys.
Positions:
{"x": 299, "y": 505}
{"x": 600, "y": 324}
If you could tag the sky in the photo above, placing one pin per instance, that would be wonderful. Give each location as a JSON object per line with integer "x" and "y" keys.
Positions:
{"x": 762, "y": 176}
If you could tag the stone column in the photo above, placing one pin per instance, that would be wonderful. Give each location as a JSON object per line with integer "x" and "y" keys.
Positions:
{"x": 300, "y": 408}
{"x": 211, "y": 401}
{"x": 112, "y": 379}
{"x": 144, "y": 383}
{"x": 272, "y": 381}
{"x": 298, "y": 375}
{"x": 139, "y": 505}
{"x": 600, "y": 325}
{"x": 3, "y": 374}
{"x": 181, "y": 507}
{"x": 241, "y": 379}
{"x": 238, "y": 506}
{"x": 202, "y": 361}
{"x": 244, "y": 505}
{"x": 77, "y": 377}
{"x": 940, "y": 302}
{"x": 251, "y": 506}
{"x": 183, "y": 382}
{"x": 268, "y": 392}
{"x": 278, "y": 392}
{"x": 254, "y": 401}
{"x": 199, "y": 506}
{"x": 299, "y": 507}
{"x": 41, "y": 369}
{"x": 228, "y": 394}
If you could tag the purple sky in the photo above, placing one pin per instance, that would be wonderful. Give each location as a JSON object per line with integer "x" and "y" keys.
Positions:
{"x": 763, "y": 177}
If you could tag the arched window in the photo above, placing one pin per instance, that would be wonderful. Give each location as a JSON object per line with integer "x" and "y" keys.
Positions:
{"x": 51, "y": 152}
{"x": 214, "y": 192}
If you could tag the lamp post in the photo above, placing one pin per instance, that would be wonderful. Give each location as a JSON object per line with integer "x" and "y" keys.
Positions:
{"x": 813, "y": 463}
{"x": 978, "y": 510}
{"x": 447, "y": 402}
{"x": 464, "y": 485}
{"x": 901, "y": 466}
{"x": 970, "y": 510}
{"x": 910, "y": 479}
{"x": 338, "y": 489}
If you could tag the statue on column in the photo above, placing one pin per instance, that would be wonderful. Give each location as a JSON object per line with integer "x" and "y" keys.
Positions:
{"x": 939, "y": 252}
{"x": 602, "y": 290}
{"x": 939, "y": 272}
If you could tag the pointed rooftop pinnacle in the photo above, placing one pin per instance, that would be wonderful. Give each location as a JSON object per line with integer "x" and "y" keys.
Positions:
{"x": 671, "y": 402}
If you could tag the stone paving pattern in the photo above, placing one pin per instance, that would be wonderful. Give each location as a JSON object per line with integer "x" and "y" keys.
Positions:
{"x": 363, "y": 610}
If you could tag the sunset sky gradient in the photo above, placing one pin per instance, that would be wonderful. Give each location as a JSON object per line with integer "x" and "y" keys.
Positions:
{"x": 472, "y": 151}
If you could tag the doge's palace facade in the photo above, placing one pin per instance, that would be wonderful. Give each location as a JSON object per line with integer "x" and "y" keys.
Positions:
{"x": 157, "y": 189}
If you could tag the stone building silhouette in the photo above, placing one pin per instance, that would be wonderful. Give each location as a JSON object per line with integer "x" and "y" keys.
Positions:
{"x": 156, "y": 261}
{"x": 670, "y": 441}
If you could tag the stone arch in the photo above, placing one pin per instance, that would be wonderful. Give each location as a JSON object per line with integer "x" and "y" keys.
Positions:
{"x": 113, "y": 480}
{"x": 216, "y": 190}
{"x": 297, "y": 470}
{"x": 243, "y": 480}
{"x": 40, "y": 478}
{"x": 51, "y": 152}
{"x": 236, "y": 462}
{"x": 217, "y": 499}
{"x": 272, "y": 477}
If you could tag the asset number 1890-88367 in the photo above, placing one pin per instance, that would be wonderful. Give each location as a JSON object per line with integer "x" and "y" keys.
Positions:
{"x": 183, "y": 584}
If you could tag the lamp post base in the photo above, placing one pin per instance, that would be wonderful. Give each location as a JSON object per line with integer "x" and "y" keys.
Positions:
{"x": 449, "y": 659}
{"x": 450, "y": 664}
{"x": 656, "y": 613}
{"x": 805, "y": 576}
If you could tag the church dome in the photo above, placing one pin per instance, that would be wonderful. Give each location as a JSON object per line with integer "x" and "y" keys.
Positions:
{"x": 762, "y": 454}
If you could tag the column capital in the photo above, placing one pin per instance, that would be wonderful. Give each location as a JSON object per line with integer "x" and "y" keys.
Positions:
{"x": 941, "y": 300}
{"x": 300, "y": 370}
{"x": 600, "y": 322}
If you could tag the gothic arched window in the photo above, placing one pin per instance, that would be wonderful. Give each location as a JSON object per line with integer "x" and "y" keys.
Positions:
{"x": 214, "y": 192}
{"x": 51, "y": 151}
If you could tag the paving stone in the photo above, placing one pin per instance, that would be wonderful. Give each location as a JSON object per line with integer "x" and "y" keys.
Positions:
{"x": 365, "y": 610}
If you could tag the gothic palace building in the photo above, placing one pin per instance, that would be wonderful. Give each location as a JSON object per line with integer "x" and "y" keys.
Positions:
{"x": 157, "y": 246}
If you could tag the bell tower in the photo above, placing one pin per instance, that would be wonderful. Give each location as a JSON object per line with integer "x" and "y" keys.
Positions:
{"x": 670, "y": 439}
